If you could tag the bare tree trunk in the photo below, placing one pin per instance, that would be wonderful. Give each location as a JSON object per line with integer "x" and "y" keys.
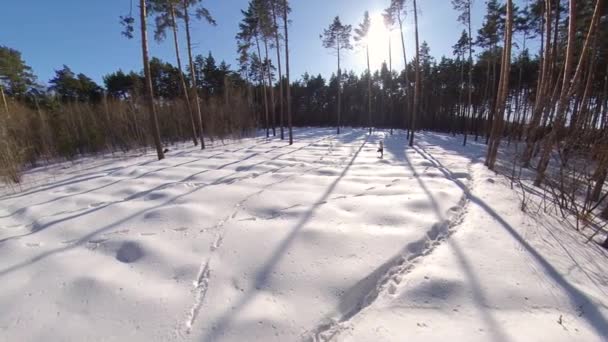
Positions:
{"x": 390, "y": 72}
{"x": 193, "y": 90}
{"x": 339, "y": 89}
{"x": 417, "y": 86}
{"x": 287, "y": 85}
{"x": 149, "y": 92}
{"x": 263, "y": 79}
{"x": 369, "y": 90}
{"x": 503, "y": 90}
{"x": 5, "y": 104}
{"x": 278, "y": 47}
{"x": 470, "y": 102}
{"x": 407, "y": 81}
{"x": 182, "y": 80}
{"x": 271, "y": 87}
{"x": 542, "y": 90}
{"x": 568, "y": 86}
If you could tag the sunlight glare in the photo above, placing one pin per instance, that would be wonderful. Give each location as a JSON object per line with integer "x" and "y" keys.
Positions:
{"x": 378, "y": 43}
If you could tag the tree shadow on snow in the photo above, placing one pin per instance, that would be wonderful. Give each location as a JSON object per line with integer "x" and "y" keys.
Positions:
{"x": 265, "y": 271}
{"x": 577, "y": 298}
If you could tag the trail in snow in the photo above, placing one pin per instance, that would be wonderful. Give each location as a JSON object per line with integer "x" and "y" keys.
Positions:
{"x": 263, "y": 241}
{"x": 400, "y": 265}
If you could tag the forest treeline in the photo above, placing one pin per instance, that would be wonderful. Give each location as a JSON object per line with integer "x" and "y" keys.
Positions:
{"x": 535, "y": 74}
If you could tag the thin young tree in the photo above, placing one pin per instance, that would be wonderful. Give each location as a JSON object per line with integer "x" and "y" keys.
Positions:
{"x": 464, "y": 7}
{"x": 201, "y": 13}
{"x": 286, "y": 10}
{"x": 362, "y": 37}
{"x": 418, "y": 78}
{"x": 337, "y": 38}
{"x": 166, "y": 18}
{"x": 503, "y": 90}
{"x": 129, "y": 29}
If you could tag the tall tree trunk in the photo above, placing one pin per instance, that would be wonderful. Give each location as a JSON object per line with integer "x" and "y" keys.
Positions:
{"x": 407, "y": 81}
{"x": 503, "y": 90}
{"x": 182, "y": 79}
{"x": 568, "y": 86}
{"x": 271, "y": 87}
{"x": 339, "y": 89}
{"x": 461, "y": 108}
{"x": 193, "y": 80}
{"x": 542, "y": 90}
{"x": 417, "y": 86}
{"x": 369, "y": 90}
{"x": 390, "y": 72}
{"x": 278, "y": 47}
{"x": 470, "y": 85}
{"x": 287, "y": 85}
{"x": 263, "y": 80}
{"x": 149, "y": 92}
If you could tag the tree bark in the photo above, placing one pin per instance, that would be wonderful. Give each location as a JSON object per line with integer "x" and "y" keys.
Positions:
{"x": 407, "y": 81}
{"x": 271, "y": 87}
{"x": 417, "y": 86}
{"x": 369, "y": 90}
{"x": 149, "y": 92}
{"x": 287, "y": 85}
{"x": 339, "y": 89}
{"x": 4, "y": 103}
{"x": 278, "y": 47}
{"x": 503, "y": 90}
{"x": 470, "y": 102}
{"x": 568, "y": 85}
{"x": 182, "y": 79}
{"x": 194, "y": 91}
{"x": 263, "y": 80}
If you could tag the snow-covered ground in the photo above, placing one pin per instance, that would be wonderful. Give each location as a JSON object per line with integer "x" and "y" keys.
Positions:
{"x": 257, "y": 240}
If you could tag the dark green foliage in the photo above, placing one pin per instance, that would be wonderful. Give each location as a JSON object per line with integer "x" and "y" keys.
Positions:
{"x": 122, "y": 86}
{"x": 70, "y": 87}
{"x": 16, "y": 77}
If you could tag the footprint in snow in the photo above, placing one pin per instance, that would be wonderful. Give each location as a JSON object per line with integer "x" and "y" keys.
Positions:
{"x": 33, "y": 244}
{"x": 95, "y": 205}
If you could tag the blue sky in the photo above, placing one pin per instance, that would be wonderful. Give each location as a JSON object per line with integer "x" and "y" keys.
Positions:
{"x": 85, "y": 35}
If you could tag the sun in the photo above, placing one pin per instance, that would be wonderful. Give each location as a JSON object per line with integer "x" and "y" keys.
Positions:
{"x": 378, "y": 40}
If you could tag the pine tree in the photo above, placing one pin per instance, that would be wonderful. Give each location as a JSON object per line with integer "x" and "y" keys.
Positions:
{"x": 201, "y": 13}
{"x": 398, "y": 10}
{"x": 362, "y": 36}
{"x": 337, "y": 38}
{"x": 503, "y": 89}
{"x": 148, "y": 81}
{"x": 569, "y": 85}
{"x": 464, "y": 7}
{"x": 167, "y": 13}
{"x": 418, "y": 79}
{"x": 389, "y": 23}
{"x": 249, "y": 33}
{"x": 286, "y": 10}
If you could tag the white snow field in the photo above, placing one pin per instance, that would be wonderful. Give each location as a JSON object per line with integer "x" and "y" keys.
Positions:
{"x": 260, "y": 241}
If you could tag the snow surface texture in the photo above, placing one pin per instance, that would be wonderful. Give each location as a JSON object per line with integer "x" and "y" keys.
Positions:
{"x": 321, "y": 240}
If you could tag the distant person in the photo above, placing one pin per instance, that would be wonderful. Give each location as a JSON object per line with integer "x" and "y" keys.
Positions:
{"x": 381, "y": 149}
